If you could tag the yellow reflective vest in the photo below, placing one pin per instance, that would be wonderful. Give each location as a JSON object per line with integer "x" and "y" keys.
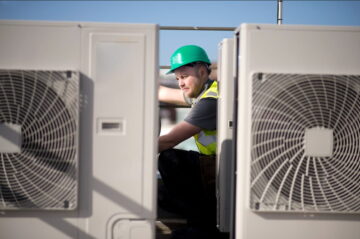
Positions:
{"x": 206, "y": 139}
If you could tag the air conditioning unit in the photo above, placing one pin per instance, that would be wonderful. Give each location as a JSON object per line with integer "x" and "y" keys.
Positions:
{"x": 298, "y": 153}
{"x": 78, "y": 129}
{"x": 225, "y": 155}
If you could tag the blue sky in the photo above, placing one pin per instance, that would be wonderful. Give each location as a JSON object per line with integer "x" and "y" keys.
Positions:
{"x": 187, "y": 13}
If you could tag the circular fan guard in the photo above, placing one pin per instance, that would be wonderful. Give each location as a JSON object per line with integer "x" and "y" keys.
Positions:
{"x": 44, "y": 174}
{"x": 283, "y": 177}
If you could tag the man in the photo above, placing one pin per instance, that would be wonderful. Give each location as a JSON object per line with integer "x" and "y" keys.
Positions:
{"x": 189, "y": 177}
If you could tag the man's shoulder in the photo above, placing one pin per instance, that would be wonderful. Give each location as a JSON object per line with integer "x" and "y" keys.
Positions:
{"x": 203, "y": 114}
{"x": 205, "y": 106}
{"x": 204, "y": 102}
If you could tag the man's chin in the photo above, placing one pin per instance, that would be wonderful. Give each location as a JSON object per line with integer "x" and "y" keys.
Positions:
{"x": 189, "y": 95}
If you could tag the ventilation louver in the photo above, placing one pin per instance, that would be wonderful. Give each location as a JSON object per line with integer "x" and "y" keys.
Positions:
{"x": 39, "y": 139}
{"x": 305, "y": 152}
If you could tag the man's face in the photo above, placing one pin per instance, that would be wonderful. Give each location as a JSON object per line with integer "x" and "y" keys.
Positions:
{"x": 189, "y": 80}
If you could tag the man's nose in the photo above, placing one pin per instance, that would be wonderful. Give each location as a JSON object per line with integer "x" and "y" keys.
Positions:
{"x": 181, "y": 83}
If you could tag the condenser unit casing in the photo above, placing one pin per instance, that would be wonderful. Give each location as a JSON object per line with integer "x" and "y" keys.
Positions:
{"x": 78, "y": 123}
{"x": 225, "y": 156}
{"x": 297, "y": 151}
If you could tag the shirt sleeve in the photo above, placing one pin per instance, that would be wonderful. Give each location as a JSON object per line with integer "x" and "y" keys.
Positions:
{"x": 203, "y": 114}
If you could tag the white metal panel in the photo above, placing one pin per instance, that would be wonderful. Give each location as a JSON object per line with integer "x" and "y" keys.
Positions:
{"x": 36, "y": 225}
{"x": 133, "y": 229}
{"x": 35, "y": 45}
{"x": 118, "y": 97}
{"x": 224, "y": 132}
{"x": 288, "y": 49}
{"x": 122, "y": 62}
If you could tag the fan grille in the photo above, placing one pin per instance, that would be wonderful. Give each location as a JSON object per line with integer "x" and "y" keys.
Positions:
{"x": 283, "y": 176}
{"x": 42, "y": 174}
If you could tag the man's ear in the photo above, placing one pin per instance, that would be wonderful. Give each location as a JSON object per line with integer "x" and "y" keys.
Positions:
{"x": 202, "y": 71}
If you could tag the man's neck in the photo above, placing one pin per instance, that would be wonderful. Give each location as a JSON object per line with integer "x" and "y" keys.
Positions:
{"x": 204, "y": 87}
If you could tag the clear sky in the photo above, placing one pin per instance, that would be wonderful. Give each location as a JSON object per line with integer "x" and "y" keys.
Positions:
{"x": 187, "y": 13}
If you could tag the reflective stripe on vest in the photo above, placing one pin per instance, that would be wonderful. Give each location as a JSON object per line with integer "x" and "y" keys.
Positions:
{"x": 206, "y": 139}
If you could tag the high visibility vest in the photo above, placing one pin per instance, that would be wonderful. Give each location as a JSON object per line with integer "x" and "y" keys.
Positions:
{"x": 206, "y": 139}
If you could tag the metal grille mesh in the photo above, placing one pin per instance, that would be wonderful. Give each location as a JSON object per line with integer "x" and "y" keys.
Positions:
{"x": 43, "y": 174}
{"x": 283, "y": 177}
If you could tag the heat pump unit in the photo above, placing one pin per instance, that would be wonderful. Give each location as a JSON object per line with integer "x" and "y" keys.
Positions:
{"x": 225, "y": 157}
{"x": 298, "y": 132}
{"x": 78, "y": 129}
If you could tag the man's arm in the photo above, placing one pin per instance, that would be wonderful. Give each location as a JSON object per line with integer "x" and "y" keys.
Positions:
{"x": 179, "y": 133}
{"x": 171, "y": 96}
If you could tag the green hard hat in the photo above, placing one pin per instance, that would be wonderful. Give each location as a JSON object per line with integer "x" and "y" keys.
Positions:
{"x": 186, "y": 55}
